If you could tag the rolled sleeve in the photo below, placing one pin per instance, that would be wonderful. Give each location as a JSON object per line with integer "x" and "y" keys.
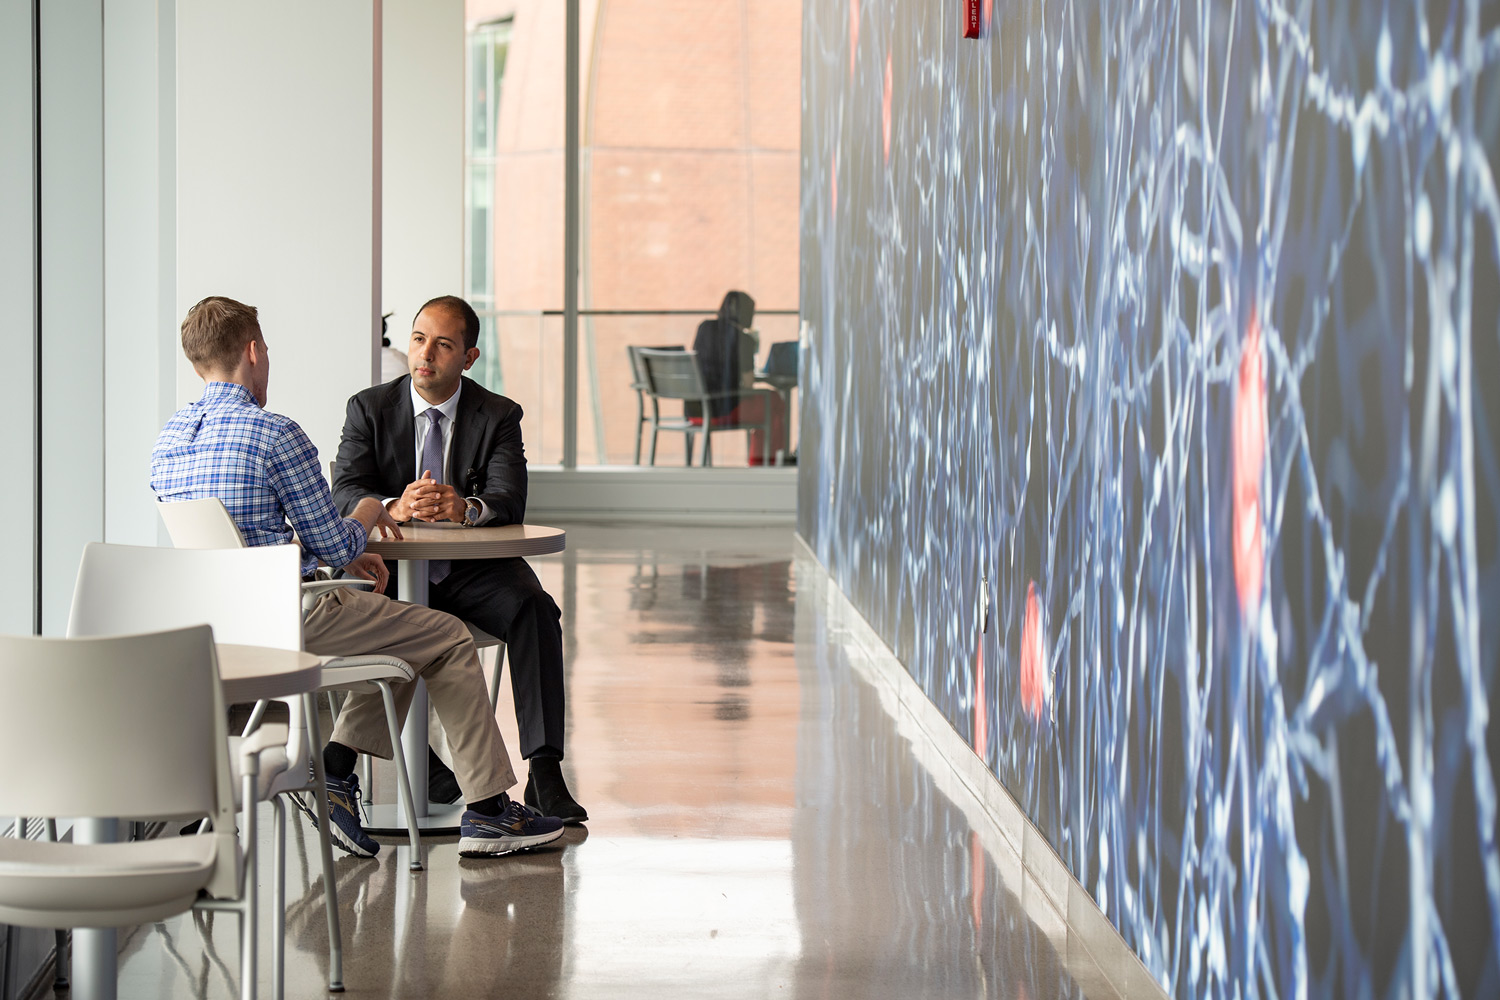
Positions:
{"x": 304, "y": 495}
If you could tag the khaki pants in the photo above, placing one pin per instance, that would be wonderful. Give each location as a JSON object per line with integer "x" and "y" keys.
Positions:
{"x": 351, "y": 622}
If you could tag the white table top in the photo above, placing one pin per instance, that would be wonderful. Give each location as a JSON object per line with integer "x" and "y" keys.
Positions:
{"x": 446, "y": 540}
{"x": 250, "y": 673}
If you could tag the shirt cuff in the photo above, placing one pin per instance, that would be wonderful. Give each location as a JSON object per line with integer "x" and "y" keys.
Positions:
{"x": 484, "y": 511}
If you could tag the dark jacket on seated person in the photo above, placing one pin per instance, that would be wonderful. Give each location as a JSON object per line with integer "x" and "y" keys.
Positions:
{"x": 725, "y": 351}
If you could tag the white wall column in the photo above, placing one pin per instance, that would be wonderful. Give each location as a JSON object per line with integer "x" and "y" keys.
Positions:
{"x": 275, "y": 187}
{"x": 140, "y": 330}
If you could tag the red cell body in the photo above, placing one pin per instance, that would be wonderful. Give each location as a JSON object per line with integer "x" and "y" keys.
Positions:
{"x": 981, "y": 709}
{"x": 885, "y": 111}
{"x": 1249, "y": 464}
{"x": 1033, "y": 657}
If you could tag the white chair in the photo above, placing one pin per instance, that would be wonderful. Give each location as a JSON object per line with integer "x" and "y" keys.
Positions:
{"x": 148, "y": 741}
{"x": 249, "y": 596}
{"x": 674, "y": 374}
{"x": 205, "y": 524}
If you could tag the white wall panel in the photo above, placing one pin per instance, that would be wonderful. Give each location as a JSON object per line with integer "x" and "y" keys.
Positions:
{"x": 274, "y": 190}
{"x": 17, "y": 291}
{"x": 423, "y": 156}
{"x": 72, "y": 75}
{"x": 139, "y": 202}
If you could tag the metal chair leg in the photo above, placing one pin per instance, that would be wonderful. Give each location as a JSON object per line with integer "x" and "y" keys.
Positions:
{"x": 655, "y": 428}
{"x": 60, "y": 962}
{"x": 640, "y": 418}
{"x": 325, "y": 848}
{"x": 248, "y": 909}
{"x": 256, "y": 715}
{"x": 495, "y": 677}
{"x": 403, "y": 785}
{"x": 247, "y": 953}
{"x": 278, "y": 899}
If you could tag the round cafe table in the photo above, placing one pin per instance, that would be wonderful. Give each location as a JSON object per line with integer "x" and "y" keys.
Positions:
{"x": 251, "y": 673}
{"x": 443, "y": 540}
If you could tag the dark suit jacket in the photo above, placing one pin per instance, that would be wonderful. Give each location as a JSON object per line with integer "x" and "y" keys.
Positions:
{"x": 379, "y": 445}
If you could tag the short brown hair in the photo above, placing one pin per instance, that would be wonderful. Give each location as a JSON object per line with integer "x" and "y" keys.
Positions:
{"x": 216, "y": 330}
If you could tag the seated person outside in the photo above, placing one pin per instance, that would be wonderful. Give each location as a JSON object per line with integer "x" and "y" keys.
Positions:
{"x": 726, "y": 358}
{"x": 266, "y": 471}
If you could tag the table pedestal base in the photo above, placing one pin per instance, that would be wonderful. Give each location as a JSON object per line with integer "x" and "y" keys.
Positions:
{"x": 388, "y": 820}
{"x": 96, "y": 959}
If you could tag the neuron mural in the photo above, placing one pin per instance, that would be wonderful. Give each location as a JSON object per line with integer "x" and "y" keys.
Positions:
{"x": 1149, "y": 418}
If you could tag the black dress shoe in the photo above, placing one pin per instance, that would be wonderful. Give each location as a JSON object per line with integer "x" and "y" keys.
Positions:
{"x": 442, "y": 786}
{"x": 547, "y": 792}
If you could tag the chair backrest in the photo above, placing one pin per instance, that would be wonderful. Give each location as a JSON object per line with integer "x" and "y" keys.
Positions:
{"x": 200, "y": 524}
{"x": 131, "y": 726}
{"x": 249, "y": 596}
{"x": 637, "y": 369}
{"x": 671, "y": 374}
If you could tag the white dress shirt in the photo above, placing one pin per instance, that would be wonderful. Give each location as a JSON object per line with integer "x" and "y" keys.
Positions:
{"x": 449, "y": 409}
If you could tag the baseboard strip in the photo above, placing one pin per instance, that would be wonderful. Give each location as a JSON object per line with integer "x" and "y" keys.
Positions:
{"x": 1088, "y": 944}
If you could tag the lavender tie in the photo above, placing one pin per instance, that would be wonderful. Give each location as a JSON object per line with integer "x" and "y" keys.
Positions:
{"x": 432, "y": 461}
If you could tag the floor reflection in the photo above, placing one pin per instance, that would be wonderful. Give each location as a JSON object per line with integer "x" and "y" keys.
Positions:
{"x": 892, "y": 882}
{"x": 758, "y": 826}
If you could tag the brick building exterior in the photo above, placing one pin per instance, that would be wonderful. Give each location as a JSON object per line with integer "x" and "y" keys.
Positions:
{"x": 691, "y": 122}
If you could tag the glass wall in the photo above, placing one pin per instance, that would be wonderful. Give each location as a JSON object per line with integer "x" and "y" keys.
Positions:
{"x": 487, "y": 48}
{"x": 689, "y": 188}
{"x": 513, "y": 248}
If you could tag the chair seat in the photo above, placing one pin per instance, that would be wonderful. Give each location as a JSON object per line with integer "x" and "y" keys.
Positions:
{"x": 355, "y": 673}
{"x": 482, "y": 639}
{"x": 730, "y": 421}
{"x": 44, "y": 884}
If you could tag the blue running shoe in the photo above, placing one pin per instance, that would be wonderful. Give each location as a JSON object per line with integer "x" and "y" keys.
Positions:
{"x": 517, "y": 828}
{"x": 343, "y": 805}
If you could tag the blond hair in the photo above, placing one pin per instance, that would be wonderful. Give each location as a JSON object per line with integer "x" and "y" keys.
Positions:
{"x": 216, "y": 330}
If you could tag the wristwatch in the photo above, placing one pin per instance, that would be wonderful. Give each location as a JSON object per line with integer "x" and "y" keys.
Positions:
{"x": 472, "y": 512}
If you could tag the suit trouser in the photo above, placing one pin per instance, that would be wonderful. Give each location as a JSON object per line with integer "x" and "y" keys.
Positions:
{"x": 504, "y": 597}
{"x": 350, "y": 622}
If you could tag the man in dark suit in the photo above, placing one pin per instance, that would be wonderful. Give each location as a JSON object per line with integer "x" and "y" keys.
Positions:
{"x": 435, "y": 446}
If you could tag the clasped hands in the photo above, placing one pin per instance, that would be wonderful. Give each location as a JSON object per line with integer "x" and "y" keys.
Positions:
{"x": 428, "y": 500}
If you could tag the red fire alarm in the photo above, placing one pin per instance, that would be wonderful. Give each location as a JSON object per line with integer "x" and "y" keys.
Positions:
{"x": 971, "y": 18}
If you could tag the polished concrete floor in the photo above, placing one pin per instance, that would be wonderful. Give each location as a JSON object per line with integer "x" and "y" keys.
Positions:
{"x": 759, "y": 828}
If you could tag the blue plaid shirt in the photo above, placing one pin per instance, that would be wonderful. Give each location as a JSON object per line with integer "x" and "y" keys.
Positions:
{"x": 262, "y": 466}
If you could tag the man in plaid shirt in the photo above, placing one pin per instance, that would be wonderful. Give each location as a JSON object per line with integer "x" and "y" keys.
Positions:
{"x": 265, "y": 470}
